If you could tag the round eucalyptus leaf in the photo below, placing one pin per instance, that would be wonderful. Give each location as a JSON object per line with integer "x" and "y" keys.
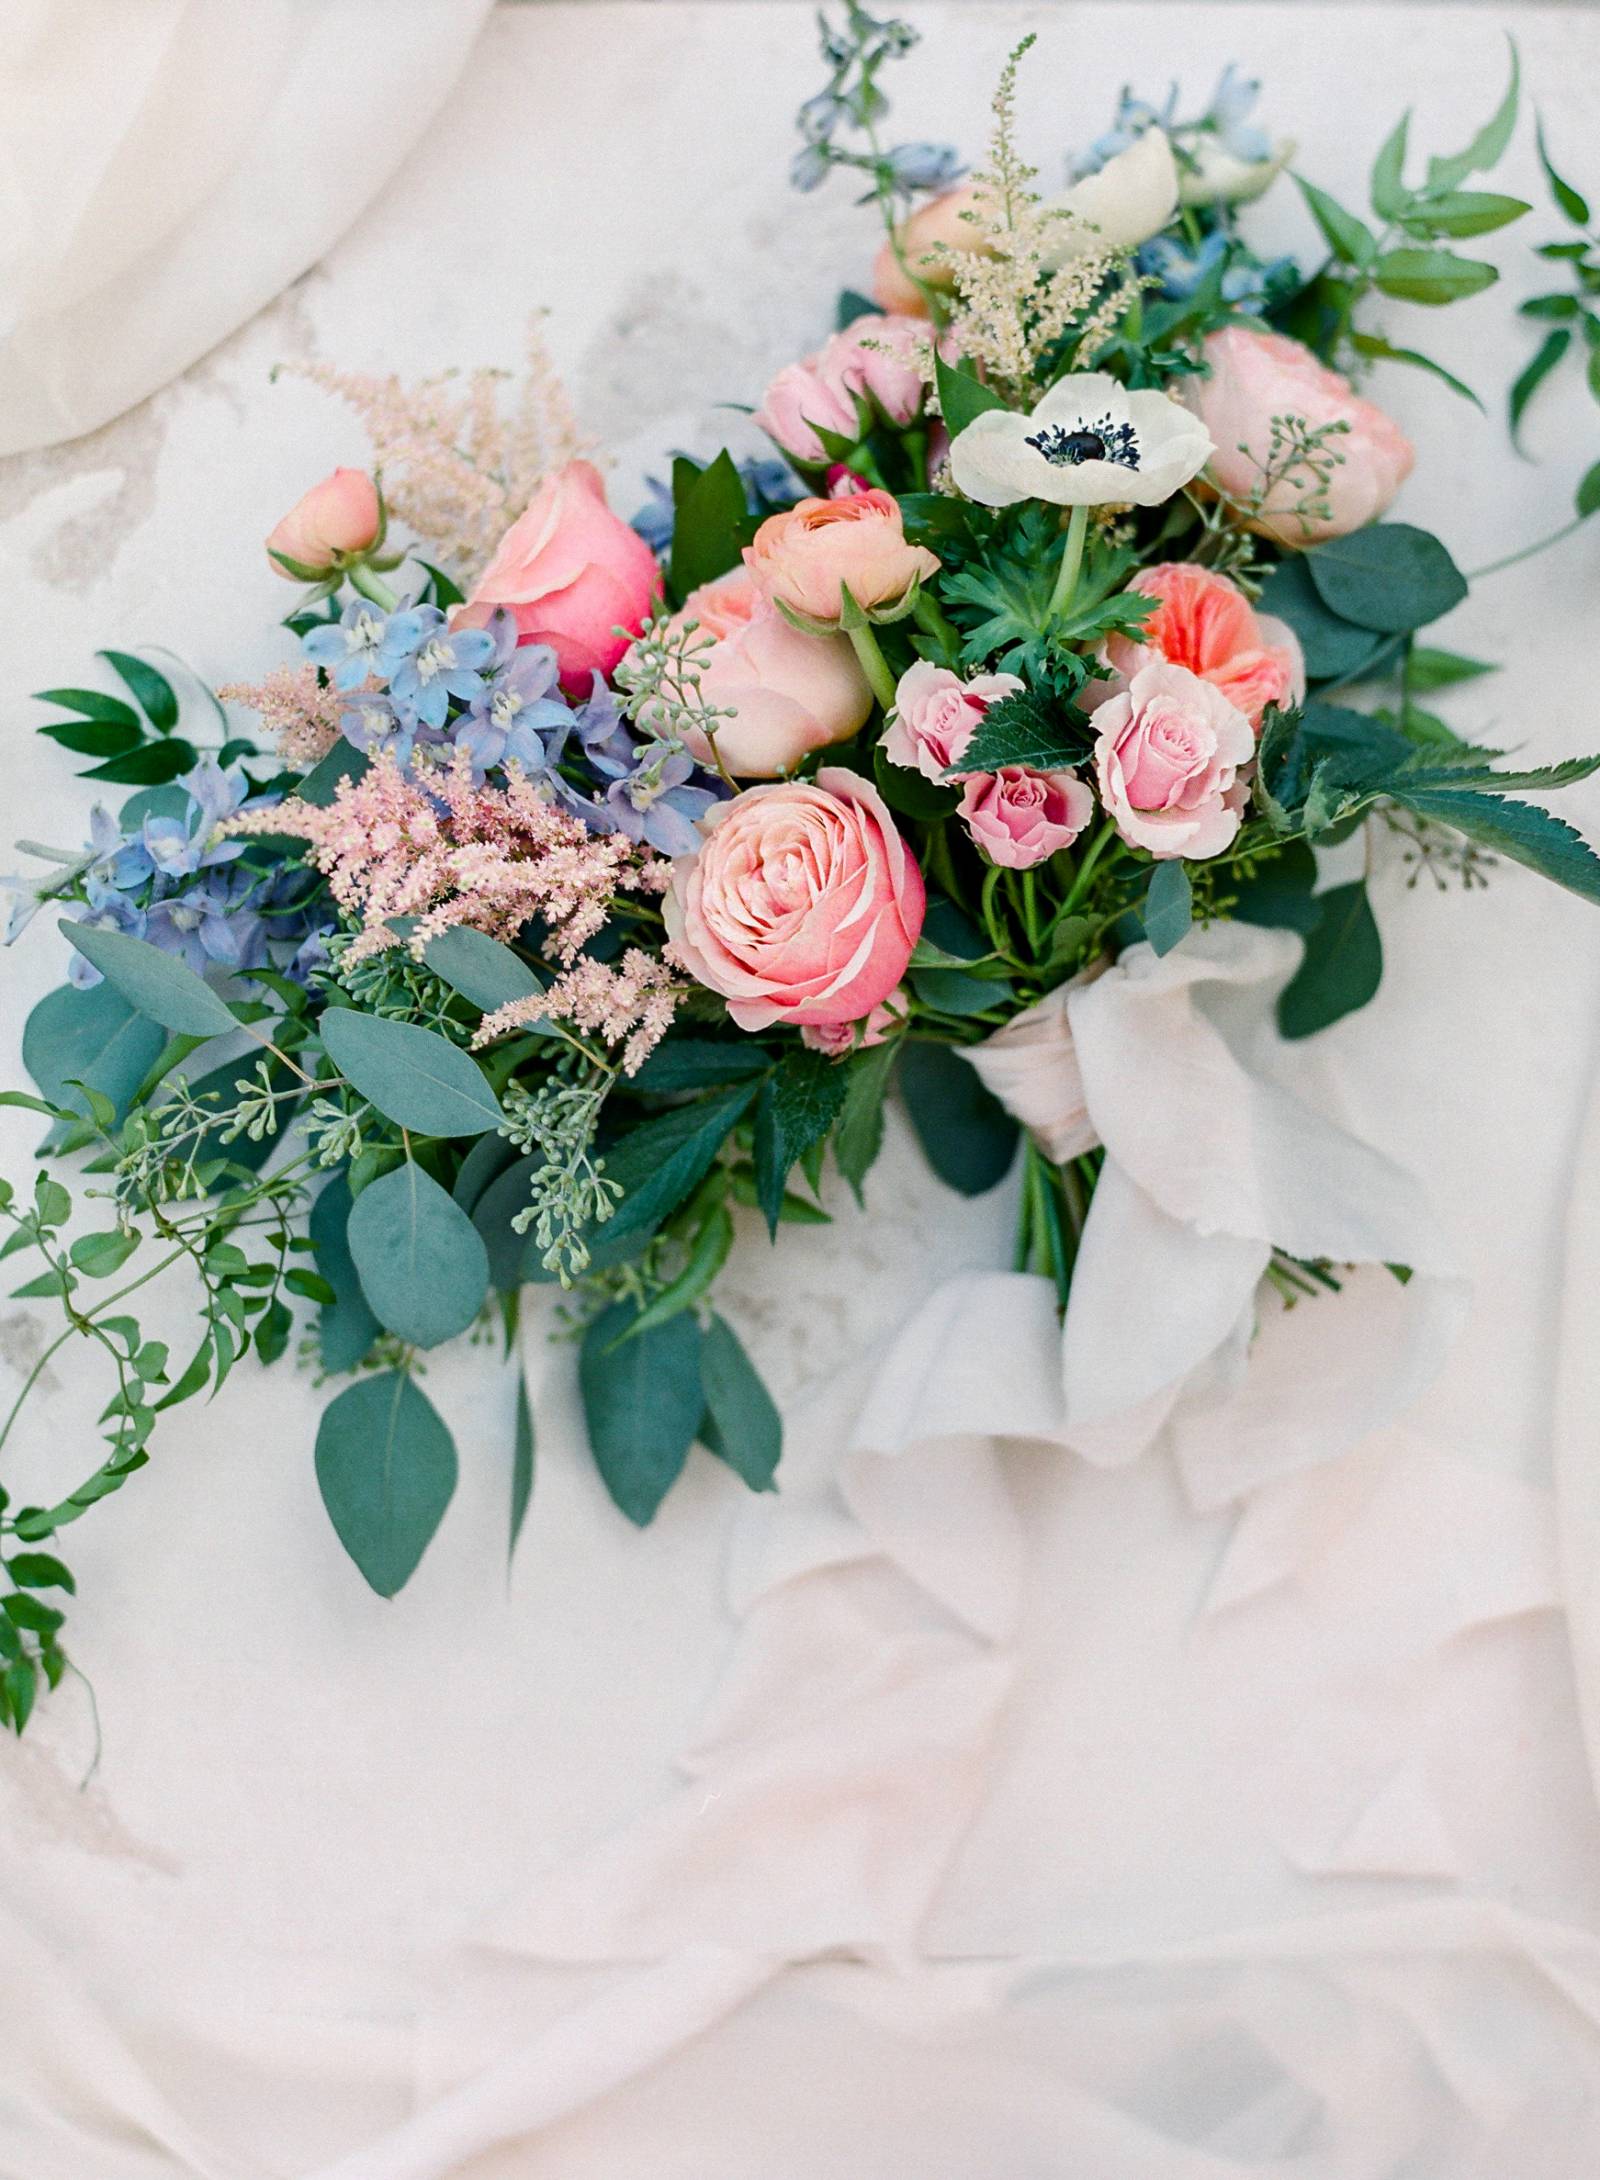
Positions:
{"x": 421, "y": 1261}
{"x": 386, "y": 1468}
{"x": 158, "y": 984}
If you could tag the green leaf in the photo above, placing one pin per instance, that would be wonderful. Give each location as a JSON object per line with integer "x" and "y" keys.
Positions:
{"x": 21, "y": 1685}
{"x": 1586, "y": 500}
{"x": 1520, "y": 830}
{"x": 346, "y": 1327}
{"x": 1279, "y": 893}
{"x": 797, "y": 1107}
{"x": 741, "y": 1425}
{"x": 1382, "y": 351}
{"x": 859, "y": 1136}
{"x": 522, "y": 1452}
{"x": 711, "y": 523}
{"x": 659, "y": 1163}
{"x": 1429, "y": 669}
{"x": 1467, "y": 212}
{"x": 92, "y": 737}
{"x": 1490, "y": 142}
{"x": 1533, "y": 374}
{"x": 962, "y": 396}
{"x": 1389, "y": 194}
{"x": 386, "y": 1468}
{"x": 343, "y": 762}
{"x": 483, "y": 1165}
{"x": 40, "y": 1571}
{"x": 1022, "y": 729}
{"x": 967, "y": 1136}
{"x": 421, "y": 1262}
{"x": 480, "y": 968}
{"x": 29, "y": 1613}
{"x": 707, "y": 1255}
{"x": 152, "y": 691}
{"x": 151, "y": 766}
{"x": 413, "y": 1076}
{"x": 159, "y": 985}
{"x": 446, "y": 591}
{"x": 272, "y": 1331}
{"x": 701, "y": 1063}
{"x": 1568, "y": 202}
{"x": 1350, "y": 239}
{"x": 99, "y": 1255}
{"x": 1432, "y": 276}
{"x": 93, "y": 704}
{"x": 1343, "y": 964}
{"x": 908, "y": 793}
{"x": 1168, "y": 908}
{"x": 956, "y": 991}
{"x": 92, "y": 1037}
{"x": 1390, "y": 577}
{"x": 1334, "y": 648}
{"x": 642, "y": 1401}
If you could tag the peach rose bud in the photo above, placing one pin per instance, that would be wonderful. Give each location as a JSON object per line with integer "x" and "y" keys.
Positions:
{"x": 839, "y": 1039}
{"x": 1019, "y": 817}
{"x": 571, "y": 574}
{"x": 806, "y": 558}
{"x": 336, "y": 521}
{"x": 924, "y": 239}
{"x": 802, "y": 906}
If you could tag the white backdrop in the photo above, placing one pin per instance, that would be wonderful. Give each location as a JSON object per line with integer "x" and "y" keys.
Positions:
{"x": 1069, "y": 1829}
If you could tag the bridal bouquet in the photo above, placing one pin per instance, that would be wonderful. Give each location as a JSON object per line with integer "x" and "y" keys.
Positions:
{"x": 583, "y": 881}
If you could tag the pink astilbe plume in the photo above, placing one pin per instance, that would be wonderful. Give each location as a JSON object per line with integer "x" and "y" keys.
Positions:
{"x": 301, "y": 716}
{"x": 445, "y": 851}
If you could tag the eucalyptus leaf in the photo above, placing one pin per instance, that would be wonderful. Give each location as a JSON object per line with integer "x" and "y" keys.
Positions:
{"x": 413, "y": 1076}
{"x": 522, "y": 1453}
{"x": 421, "y": 1262}
{"x": 386, "y": 1468}
{"x": 1390, "y": 577}
{"x": 1335, "y": 649}
{"x": 346, "y": 1326}
{"x": 642, "y": 1401}
{"x": 157, "y": 984}
{"x": 1342, "y": 966}
{"x": 741, "y": 1425}
{"x": 480, "y": 968}
{"x": 343, "y": 762}
{"x": 94, "y": 1037}
{"x": 967, "y": 1136}
{"x": 1168, "y": 909}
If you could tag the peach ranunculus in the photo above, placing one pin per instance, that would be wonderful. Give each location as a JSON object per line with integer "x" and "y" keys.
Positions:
{"x": 802, "y": 557}
{"x": 334, "y": 521}
{"x": 1020, "y": 817}
{"x": 788, "y": 692}
{"x": 803, "y": 904}
{"x": 570, "y": 573}
{"x": 1257, "y": 378}
{"x": 940, "y": 221}
{"x": 839, "y": 1039}
{"x": 936, "y": 714}
{"x": 1168, "y": 759}
{"x": 1204, "y": 621}
{"x": 873, "y": 358}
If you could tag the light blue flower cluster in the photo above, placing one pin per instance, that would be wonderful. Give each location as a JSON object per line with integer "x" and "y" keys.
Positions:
{"x": 414, "y": 682}
{"x": 1226, "y": 118}
{"x": 177, "y": 880}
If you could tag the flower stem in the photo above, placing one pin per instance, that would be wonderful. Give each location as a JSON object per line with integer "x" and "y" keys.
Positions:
{"x": 373, "y": 587}
{"x": 1097, "y": 847}
{"x": 1071, "y": 565}
{"x": 1527, "y": 552}
{"x": 874, "y": 665}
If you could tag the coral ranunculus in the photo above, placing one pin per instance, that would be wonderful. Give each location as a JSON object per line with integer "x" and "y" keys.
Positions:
{"x": 1205, "y": 622}
{"x": 570, "y": 573}
{"x": 789, "y": 693}
{"x": 802, "y": 557}
{"x": 1259, "y": 382}
{"x": 803, "y": 905}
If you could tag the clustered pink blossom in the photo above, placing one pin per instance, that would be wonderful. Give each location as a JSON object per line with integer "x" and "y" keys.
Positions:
{"x": 301, "y": 716}
{"x": 633, "y": 999}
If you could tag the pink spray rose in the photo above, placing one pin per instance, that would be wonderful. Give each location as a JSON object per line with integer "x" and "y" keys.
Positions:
{"x": 839, "y": 1039}
{"x": 1205, "y": 622}
{"x": 1168, "y": 758}
{"x": 874, "y": 357}
{"x": 802, "y": 906}
{"x": 570, "y": 573}
{"x": 788, "y": 692}
{"x": 936, "y": 714}
{"x": 339, "y": 516}
{"x": 938, "y": 221}
{"x": 1019, "y": 817}
{"x": 801, "y": 557}
{"x": 1255, "y": 377}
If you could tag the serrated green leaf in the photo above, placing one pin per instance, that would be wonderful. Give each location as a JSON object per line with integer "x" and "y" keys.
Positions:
{"x": 1520, "y": 830}
{"x": 658, "y": 1163}
{"x": 797, "y": 1107}
{"x": 1021, "y": 728}
{"x": 859, "y": 1136}
{"x": 386, "y": 1468}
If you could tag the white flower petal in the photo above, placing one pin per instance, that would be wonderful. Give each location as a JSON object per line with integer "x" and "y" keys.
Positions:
{"x": 1131, "y": 198}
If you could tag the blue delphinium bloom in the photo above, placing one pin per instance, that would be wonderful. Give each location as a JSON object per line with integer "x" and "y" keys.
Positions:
{"x": 116, "y": 858}
{"x": 108, "y": 910}
{"x": 374, "y": 725}
{"x": 1180, "y": 267}
{"x": 180, "y": 846}
{"x": 1231, "y": 102}
{"x": 210, "y": 923}
{"x": 655, "y": 803}
{"x": 348, "y": 649}
{"x": 518, "y": 710}
{"x": 914, "y": 167}
{"x": 655, "y": 520}
{"x": 440, "y": 664}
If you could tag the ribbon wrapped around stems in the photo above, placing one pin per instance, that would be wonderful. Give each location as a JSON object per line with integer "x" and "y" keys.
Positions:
{"x": 1211, "y": 1163}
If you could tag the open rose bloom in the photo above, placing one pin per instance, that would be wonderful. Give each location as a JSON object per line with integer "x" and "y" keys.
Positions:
{"x": 1169, "y": 756}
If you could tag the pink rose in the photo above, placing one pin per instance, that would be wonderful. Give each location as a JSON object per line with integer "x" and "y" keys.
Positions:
{"x": 1019, "y": 817}
{"x": 802, "y": 906}
{"x": 801, "y": 397}
{"x": 571, "y": 573}
{"x": 1205, "y": 622}
{"x": 938, "y": 221}
{"x": 878, "y": 356}
{"x": 337, "y": 518}
{"x": 936, "y": 714}
{"x": 801, "y": 557}
{"x": 788, "y": 692}
{"x": 874, "y": 358}
{"x": 1256, "y": 377}
{"x": 839, "y": 1039}
{"x": 1168, "y": 758}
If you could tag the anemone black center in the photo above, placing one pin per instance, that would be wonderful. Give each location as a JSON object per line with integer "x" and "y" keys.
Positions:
{"x": 1102, "y": 441}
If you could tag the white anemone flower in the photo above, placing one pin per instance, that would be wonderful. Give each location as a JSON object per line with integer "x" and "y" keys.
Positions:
{"x": 1089, "y": 443}
{"x": 1132, "y": 197}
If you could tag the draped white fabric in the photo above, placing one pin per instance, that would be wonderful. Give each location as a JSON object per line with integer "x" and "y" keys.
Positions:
{"x": 968, "y": 1807}
{"x": 168, "y": 166}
